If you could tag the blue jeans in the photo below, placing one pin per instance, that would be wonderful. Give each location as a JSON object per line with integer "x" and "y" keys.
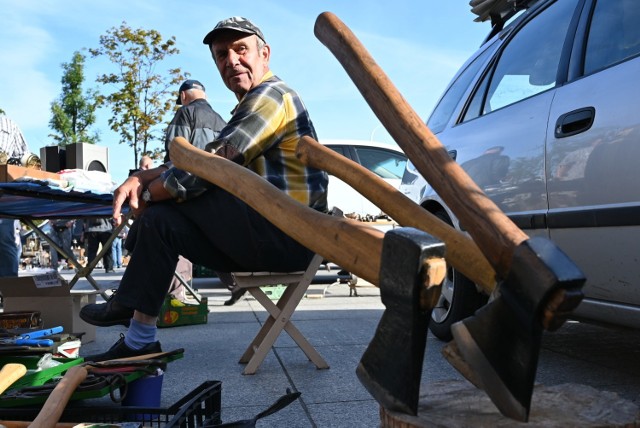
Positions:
{"x": 61, "y": 237}
{"x": 116, "y": 252}
{"x": 9, "y": 257}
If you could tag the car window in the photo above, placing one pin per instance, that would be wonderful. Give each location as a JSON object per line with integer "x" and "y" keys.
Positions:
{"x": 529, "y": 62}
{"x": 340, "y": 150}
{"x": 445, "y": 108}
{"x": 383, "y": 163}
{"x": 614, "y": 34}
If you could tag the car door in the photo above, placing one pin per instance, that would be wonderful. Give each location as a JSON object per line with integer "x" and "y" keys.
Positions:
{"x": 385, "y": 163}
{"x": 500, "y": 141}
{"x": 593, "y": 152}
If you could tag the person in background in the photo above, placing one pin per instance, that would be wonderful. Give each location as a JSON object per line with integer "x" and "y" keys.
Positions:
{"x": 77, "y": 240}
{"x": 97, "y": 231}
{"x": 199, "y": 124}
{"x": 10, "y": 247}
{"x": 12, "y": 142}
{"x": 145, "y": 162}
{"x": 201, "y": 221}
{"x": 196, "y": 120}
{"x": 116, "y": 247}
{"x": 12, "y": 146}
{"x": 61, "y": 234}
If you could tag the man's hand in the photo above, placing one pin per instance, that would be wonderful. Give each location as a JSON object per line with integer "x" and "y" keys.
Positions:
{"x": 130, "y": 190}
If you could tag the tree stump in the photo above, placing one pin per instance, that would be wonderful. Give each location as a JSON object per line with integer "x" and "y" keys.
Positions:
{"x": 460, "y": 404}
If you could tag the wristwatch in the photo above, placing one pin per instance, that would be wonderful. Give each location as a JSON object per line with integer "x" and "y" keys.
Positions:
{"x": 146, "y": 195}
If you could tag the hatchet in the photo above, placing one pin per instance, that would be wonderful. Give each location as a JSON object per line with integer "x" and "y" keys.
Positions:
{"x": 407, "y": 265}
{"x": 501, "y": 342}
{"x": 461, "y": 252}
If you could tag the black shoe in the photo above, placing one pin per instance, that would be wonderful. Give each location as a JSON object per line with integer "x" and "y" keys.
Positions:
{"x": 120, "y": 350}
{"x": 236, "y": 294}
{"x": 106, "y": 314}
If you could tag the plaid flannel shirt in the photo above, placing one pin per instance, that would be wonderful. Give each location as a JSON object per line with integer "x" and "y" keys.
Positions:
{"x": 262, "y": 135}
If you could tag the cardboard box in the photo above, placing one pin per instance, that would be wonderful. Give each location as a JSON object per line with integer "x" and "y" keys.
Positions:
{"x": 10, "y": 173}
{"x": 49, "y": 294}
{"x": 176, "y": 313}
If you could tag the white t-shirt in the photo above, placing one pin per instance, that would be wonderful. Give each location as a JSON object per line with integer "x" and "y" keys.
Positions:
{"x": 12, "y": 141}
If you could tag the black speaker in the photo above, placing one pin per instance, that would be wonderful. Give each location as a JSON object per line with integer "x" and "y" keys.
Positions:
{"x": 87, "y": 156}
{"x": 53, "y": 158}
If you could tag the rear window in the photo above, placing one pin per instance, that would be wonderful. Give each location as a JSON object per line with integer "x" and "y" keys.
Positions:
{"x": 528, "y": 65}
{"x": 384, "y": 163}
{"x": 445, "y": 108}
{"x": 614, "y": 34}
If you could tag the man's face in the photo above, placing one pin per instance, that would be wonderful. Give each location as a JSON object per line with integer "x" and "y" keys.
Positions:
{"x": 239, "y": 60}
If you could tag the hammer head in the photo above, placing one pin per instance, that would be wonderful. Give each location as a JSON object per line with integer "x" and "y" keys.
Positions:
{"x": 391, "y": 367}
{"x": 501, "y": 342}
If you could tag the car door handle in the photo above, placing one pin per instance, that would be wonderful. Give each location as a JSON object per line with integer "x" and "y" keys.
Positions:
{"x": 574, "y": 122}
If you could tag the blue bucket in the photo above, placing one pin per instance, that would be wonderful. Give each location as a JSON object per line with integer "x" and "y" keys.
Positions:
{"x": 144, "y": 392}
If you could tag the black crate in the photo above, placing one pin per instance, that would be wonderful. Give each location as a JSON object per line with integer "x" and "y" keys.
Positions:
{"x": 198, "y": 408}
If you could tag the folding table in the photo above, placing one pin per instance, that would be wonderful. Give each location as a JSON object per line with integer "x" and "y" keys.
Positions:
{"x": 29, "y": 201}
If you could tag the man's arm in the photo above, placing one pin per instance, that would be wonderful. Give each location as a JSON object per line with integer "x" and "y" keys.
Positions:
{"x": 132, "y": 188}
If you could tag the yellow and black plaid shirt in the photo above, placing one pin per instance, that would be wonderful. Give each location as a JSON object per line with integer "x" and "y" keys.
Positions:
{"x": 262, "y": 135}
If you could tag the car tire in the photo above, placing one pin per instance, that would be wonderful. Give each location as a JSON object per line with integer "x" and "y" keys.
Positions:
{"x": 458, "y": 300}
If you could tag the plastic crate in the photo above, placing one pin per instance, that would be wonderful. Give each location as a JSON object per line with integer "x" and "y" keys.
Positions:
{"x": 274, "y": 292}
{"x": 34, "y": 378}
{"x": 198, "y": 408}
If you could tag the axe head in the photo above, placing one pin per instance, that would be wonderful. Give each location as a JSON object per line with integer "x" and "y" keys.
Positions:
{"x": 501, "y": 342}
{"x": 391, "y": 367}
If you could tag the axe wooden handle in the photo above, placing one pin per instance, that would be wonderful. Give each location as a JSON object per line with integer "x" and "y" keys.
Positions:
{"x": 461, "y": 252}
{"x": 10, "y": 373}
{"x": 354, "y": 245}
{"x": 490, "y": 228}
{"x": 59, "y": 397}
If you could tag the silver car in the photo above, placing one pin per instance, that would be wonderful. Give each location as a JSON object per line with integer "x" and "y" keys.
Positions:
{"x": 544, "y": 117}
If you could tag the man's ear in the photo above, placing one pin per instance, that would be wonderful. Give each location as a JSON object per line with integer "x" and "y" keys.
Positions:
{"x": 266, "y": 53}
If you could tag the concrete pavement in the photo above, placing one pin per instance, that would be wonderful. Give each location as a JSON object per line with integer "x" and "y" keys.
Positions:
{"x": 340, "y": 327}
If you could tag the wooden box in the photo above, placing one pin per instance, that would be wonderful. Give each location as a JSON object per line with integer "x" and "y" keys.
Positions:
{"x": 10, "y": 173}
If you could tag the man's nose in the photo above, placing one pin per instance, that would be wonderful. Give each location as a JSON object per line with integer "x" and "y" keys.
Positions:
{"x": 232, "y": 58}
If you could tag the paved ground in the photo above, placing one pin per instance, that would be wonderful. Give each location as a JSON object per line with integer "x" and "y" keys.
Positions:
{"x": 340, "y": 327}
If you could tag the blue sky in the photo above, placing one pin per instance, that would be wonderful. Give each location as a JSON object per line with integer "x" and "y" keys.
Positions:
{"x": 418, "y": 43}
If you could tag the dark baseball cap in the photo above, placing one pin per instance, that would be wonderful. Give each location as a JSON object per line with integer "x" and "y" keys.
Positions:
{"x": 189, "y": 84}
{"x": 235, "y": 23}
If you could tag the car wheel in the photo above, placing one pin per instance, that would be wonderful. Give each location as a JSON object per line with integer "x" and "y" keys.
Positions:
{"x": 459, "y": 299}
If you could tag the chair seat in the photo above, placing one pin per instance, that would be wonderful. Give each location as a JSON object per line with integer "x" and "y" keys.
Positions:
{"x": 280, "y": 313}
{"x": 300, "y": 272}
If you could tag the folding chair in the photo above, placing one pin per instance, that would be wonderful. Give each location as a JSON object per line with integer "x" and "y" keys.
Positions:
{"x": 280, "y": 314}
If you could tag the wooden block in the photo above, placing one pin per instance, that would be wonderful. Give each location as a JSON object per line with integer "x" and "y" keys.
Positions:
{"x": 457, "y": 403}
{"x": 9, "y": 173}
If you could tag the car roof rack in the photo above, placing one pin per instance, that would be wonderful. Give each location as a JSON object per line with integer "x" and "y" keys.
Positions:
{"x": 498, "y": 11}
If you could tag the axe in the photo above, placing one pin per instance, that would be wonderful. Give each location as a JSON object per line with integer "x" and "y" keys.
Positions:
{"x": 407, "y": 265}
{"x": 501, "y": 342}
{"x": 461, "y": 252}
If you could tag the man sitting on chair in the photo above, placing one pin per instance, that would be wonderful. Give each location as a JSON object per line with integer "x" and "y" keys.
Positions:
{"x": 204, "y": 223}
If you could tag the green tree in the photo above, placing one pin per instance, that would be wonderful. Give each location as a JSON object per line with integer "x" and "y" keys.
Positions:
{"x": 2, "y": 111}
{"x": 141, "y": 96}
{"x": 74, "y": 112}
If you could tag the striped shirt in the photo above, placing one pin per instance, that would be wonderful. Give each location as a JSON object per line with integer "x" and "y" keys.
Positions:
{"x": 263, "y": 135}
{"x": 12, "y": 141}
